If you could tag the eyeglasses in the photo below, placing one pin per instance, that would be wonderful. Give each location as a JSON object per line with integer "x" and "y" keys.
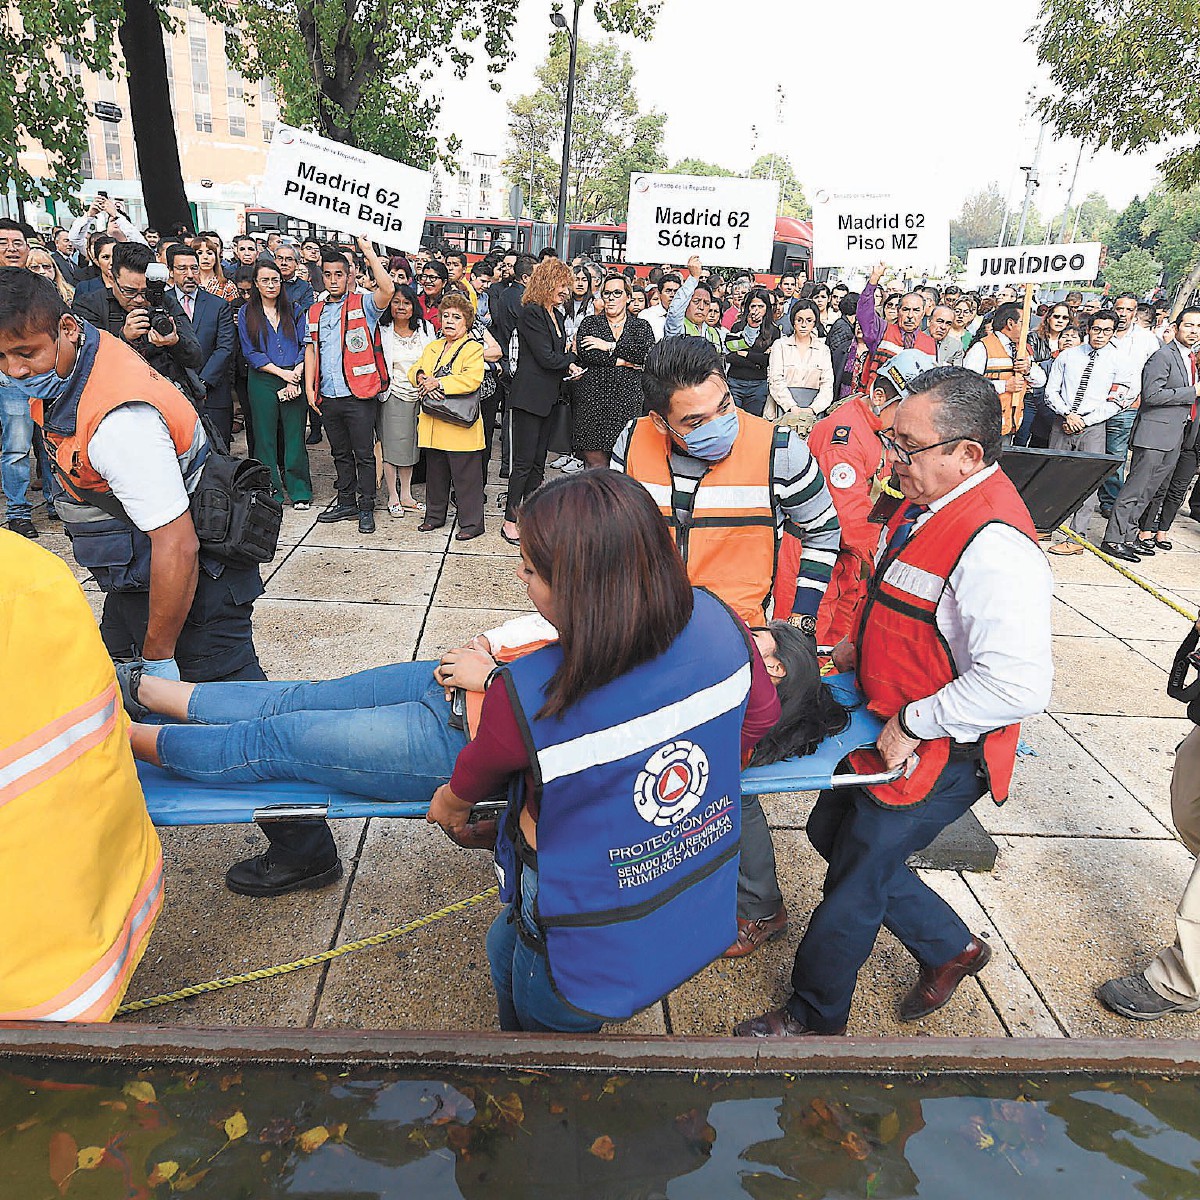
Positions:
{"x": 130, "y": 293}
{"x": 610, "y": 295}
{"x": 431, "y": 279}
{"x": 905, "y": 457}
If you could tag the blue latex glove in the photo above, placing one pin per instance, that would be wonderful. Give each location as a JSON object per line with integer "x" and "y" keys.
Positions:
{"x": 161, "y": 668}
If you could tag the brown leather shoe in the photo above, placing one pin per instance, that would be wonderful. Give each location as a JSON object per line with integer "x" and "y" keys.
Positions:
{"x": 753, "y": 935}
{"x": 935, "y": 985}
{"x": 779, "y": 1023}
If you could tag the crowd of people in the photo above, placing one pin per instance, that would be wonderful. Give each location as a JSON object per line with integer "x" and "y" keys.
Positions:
{"x": 750, "y": 476}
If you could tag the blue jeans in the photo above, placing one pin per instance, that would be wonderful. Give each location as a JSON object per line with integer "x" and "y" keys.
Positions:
{"x": 525, "y": 1001}
{"x": 381, "y": 733}
{"x": 868, "y": 885}
{"x": 16, "y": 440}
{"x": 749, "y": 394}
{"x": 1116, "y": 441}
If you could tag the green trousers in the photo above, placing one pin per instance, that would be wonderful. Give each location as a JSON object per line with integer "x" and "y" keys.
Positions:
{"x": 270, "y": 417}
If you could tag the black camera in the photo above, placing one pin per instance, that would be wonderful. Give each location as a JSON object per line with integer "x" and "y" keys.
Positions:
{"x": 161, "y": 321}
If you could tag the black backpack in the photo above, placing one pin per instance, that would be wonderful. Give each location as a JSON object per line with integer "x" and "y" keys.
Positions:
{"x": 237, "y": 517}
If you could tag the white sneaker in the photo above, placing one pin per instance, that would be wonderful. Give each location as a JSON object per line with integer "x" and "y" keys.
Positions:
{"x": 560, "y": 462}
{"x": 572, "y": 466}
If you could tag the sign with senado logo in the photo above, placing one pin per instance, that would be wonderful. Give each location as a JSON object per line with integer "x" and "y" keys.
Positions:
{"x": 860, "y": 229}
{"x": 1076, "y": 262}
{"x": 727, "y": 222}
{"x": 341, "y": 187}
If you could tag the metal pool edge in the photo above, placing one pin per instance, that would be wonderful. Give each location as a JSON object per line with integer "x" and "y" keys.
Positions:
{"x": 151, "y": 1044}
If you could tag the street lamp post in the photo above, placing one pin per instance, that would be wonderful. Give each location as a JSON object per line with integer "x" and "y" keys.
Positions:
{"x": 560, "y": 22}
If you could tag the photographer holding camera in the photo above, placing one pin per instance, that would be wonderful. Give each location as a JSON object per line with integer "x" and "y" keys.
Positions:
{"x": 139, "y": 310}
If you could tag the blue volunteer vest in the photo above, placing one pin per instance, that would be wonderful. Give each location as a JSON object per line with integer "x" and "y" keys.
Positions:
{"x": 639, "y": 817}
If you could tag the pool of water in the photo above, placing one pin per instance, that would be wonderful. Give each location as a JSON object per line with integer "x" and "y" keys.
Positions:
{"x": 95, "y": 1132}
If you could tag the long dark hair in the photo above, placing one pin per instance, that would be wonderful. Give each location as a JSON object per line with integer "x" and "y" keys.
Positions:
{"x": 809, "y": 711}
{"x": 256, "y": 317}
{"x": 621, "y": 594}
{"x": 417, "y": 320}
{"x": 768, "y": 331}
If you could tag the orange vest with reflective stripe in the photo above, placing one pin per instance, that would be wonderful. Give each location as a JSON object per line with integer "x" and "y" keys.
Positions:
{"x": 119, "y": 375}
{"x": 1012, "y": 399}
{"x": 891, "y": 343}
{"x": 363, "y": 362}
{"x": 82, "y": 881}
{"x": 728, "y": 546}
{"x": 902, "y": 655}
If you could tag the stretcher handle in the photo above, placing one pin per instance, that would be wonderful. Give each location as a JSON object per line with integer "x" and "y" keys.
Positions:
{"x": 303, "y": 812}
{"x": 876, "y": 779}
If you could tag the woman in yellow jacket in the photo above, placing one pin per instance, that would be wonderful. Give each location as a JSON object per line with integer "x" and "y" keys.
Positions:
{"x": 80, "y": 862}
{"x": 452, "y": 364}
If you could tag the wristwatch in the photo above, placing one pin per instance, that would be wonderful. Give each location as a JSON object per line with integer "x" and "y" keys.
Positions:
{"x": 805, "y": 622}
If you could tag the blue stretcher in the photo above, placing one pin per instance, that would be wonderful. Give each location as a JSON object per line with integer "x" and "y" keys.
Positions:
{"x": 175, "y": 801}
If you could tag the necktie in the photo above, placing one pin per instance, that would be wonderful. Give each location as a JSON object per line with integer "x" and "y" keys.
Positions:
{"x": 904, "y": 529}
{"x": 908, "y": 340}
{"x": 1083, "y": 380}
{"x": 189, "y": 303}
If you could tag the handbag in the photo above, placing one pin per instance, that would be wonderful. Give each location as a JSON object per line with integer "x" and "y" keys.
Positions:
{"x": 458, "y": 410}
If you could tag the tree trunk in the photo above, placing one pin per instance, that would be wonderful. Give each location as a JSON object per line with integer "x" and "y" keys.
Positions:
{"x": 1186, "y": 288}
{"x": 154, "y": 137}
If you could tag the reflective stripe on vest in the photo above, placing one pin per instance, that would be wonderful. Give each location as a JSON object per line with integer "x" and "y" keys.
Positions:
{"x": 728, "y": 539}
{"x": 82, "y": 880}
{"x": 903, "y": 656}
{"x": 362, "y": 359}
{"x": 638, "y": 816}
{"x": 1000, "y": 367}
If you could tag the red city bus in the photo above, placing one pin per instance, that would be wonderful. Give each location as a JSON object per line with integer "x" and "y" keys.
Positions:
{"x": 792, "y": 250}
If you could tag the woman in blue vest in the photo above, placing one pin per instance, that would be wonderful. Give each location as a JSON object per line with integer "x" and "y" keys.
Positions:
{"x": 622, "y": 744}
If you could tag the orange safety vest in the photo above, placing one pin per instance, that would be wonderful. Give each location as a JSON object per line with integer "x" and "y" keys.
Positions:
{"x": 363, "y": 362}
{"x": 81, "y": 887}
{"x": 118, "y": 375}
{"x": 1012, "y": 399}
{"x": 728, "y": 545}
{"x": 891, "y": 343}
{"x": 902, "y": 655}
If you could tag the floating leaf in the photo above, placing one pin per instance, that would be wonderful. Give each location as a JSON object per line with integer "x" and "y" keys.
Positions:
{"x": 89, "y": 1158}
{"x": 511, "y": 1108}
{"x": 855, "y": 1146}
{"x": 140, "y": 1090}
{"x": 557, "y": 1108}
{"x": 184, "y": 1182}
{"x": 235, "y": 1126}
{"x": 312, "y": 1139}
{"x": 63, "y": 1151}
{"x": 115, "y": 1105}
{"x": 162, "y": 1173}
{"x": 276, "y": 1132}
{"x": 612, "y": 1085}
{"x": 228, "y": 1081}
{"x": 603, "y": 1148}
{"x": 889, "y": 1127}
{"x": 338, "y": 1132}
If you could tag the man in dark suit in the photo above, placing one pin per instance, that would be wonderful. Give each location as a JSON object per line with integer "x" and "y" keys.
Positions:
{"x": 63, "y": 254}
{"x": 124, "y": 311}
{"x": 1170, "y": 393}
{"x": 212, "y": 322}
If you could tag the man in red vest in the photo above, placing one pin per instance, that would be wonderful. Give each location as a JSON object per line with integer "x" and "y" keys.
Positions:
{"x": 953, "y": 652}
{"x": 883, "y": 339}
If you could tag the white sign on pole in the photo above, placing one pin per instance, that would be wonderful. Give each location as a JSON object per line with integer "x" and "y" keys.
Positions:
{"x": 1076, "y": 262}
{"x": 341, "y": 187}
{"x": 728, "y": 222}
{"x": 859, "y": 229}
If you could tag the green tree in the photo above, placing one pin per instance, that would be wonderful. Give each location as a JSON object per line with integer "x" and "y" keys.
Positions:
{"x": 1092, "y": 220}
{"x": 697, "y": 166}
{"x": 1136, "y": 271}
{"x": 1173, "y": 217}
{"x": 978, "y": 223}
{"x": 1124, "y": 76}
{"x": 43, "y": 105}
{"x": 1126, "y": 231}
{"x": 792, "y": 201}
{"x": 611, "y": 138}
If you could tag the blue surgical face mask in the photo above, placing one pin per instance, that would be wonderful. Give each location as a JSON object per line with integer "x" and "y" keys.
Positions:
{"x": 713, "y": 440}
{"x": 48, "y": 386}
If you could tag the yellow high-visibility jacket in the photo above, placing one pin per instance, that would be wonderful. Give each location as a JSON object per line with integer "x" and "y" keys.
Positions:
{"x": 80, "y": 861}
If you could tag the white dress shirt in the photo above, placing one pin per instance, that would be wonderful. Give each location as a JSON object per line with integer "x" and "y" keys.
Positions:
{"x": 1132, "y": 350}
{"x": 82, "y": 226}
{"x": 976, "y": 360}
{"x": 995, "y": 617}
{"x": 656, "y": 317}
{"x": 1106, "y": 391}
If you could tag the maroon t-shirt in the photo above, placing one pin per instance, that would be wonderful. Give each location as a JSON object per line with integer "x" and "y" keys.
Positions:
{"x": 497, "y": 752}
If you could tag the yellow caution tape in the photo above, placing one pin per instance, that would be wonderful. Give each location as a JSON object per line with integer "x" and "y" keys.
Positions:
{"x": 378, "y": 939}
{"x": 1116, "y": 566}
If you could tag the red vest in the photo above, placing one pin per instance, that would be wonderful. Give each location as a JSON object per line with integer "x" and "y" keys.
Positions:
{"x": 891, "y": 343}
{"x": 902, "y": 655}
{"x": 363, "y": 362}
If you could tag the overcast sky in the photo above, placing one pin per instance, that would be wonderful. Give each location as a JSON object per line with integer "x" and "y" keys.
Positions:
{"x": 955, "y": 76}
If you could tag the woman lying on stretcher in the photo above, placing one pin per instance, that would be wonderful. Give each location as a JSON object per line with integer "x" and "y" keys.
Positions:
{"x": 390, "y": 733}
